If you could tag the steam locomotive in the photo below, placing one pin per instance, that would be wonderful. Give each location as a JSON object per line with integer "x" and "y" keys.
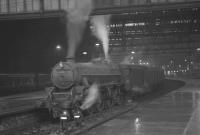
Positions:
{"x": 81, "y": 88}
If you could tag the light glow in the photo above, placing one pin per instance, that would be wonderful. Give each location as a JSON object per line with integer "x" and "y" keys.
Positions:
{"x": 65, "y": 112}
{"x": 97, "y": 44}
{"x": 61, "y": 64}
{"x": 85, "y": 53}
{"x": 136, "y": 120}
{"x": 63, "y": 118}
{"x": 58, "y": 47}
{"x": 77, "y": 116}
{"x": 137, "y": 124}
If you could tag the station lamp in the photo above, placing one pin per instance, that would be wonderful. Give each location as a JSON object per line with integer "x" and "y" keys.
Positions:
{"x": 185, "y": 60}
{"x": 84, "y": 53}
{"x": 97, "y": 44}
{"x": 133, "y": 52}
{"x": 58, "y": 47}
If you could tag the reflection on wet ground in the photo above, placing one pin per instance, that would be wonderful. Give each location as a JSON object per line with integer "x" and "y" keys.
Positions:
{"x": 27, "y": 101}
{"x": 176, "y": 113}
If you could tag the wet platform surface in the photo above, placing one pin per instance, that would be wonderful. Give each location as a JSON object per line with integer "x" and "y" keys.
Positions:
{"x": 21, "y": 102}
{"x": 176, "y": 113}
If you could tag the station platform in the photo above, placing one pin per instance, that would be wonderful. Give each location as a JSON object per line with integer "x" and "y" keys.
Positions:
{"x": 175, "y": 113}
{"x": 21, "y": 102}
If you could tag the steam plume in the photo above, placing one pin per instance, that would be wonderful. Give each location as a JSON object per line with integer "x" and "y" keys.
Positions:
{"x": 93, "y": 94}
{"x": 77, "y": 15}
{"x": 101, "y": 31}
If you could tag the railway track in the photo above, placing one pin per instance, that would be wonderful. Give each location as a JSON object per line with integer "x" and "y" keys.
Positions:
{"x": 38, "y": 123}
{"x": 41, "y": 124}
{"x": 87, "y": 122}
{"x": 103, "y": 117}
{"x": 13, "y": 124}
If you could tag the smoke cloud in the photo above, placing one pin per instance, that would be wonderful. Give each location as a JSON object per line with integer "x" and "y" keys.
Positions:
{"x": 101, "y": 31}
{"x": 93, "y": 95}
{"x": 77, "y": 15}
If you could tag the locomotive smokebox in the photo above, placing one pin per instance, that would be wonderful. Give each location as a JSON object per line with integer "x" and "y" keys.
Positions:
{"x": 65, "y": 74}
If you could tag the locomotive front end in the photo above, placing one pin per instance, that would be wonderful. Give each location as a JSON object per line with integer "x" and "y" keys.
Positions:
{"x": 64, "y": 77}
{"x": 81, "y": 88}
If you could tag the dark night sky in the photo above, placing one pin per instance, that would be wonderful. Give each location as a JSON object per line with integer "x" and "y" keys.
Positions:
{"x": 28, "y": 46}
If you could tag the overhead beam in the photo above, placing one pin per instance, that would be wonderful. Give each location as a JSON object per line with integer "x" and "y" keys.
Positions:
{"x": 102, "y": 11}
{"x": 145, "y": 8}
{"x": 32, "y": 15}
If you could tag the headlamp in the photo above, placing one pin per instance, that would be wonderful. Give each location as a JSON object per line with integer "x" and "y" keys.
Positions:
{"x": 77, "y": 114}
{"x": 64, "y": 115}
{"x": 63, "y": 118}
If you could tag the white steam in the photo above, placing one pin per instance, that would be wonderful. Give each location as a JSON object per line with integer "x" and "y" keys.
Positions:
{"x": 92, "y": 96}
{"x": 101, "y": 31}
{"x": 77, "y": 15}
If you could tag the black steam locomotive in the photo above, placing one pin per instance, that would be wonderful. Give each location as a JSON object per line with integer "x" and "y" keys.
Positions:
{"x": 95, "y": 86}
